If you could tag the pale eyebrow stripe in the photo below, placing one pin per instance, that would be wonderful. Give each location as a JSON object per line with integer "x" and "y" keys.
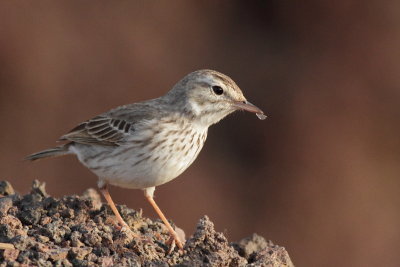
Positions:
{"x": 226, "y": 80}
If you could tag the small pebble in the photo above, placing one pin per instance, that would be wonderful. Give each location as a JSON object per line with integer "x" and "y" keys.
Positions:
{"x": 6, "y": 189}
{"x": 10, "y": 254}
{"x": 5, "y": 204}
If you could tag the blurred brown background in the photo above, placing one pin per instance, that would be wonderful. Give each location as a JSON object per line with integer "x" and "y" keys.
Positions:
{"x": 320, "y": 176}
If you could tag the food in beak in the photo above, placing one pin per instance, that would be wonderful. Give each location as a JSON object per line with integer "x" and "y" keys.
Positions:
{"x": 246, "y": 105}
{"x": 261, "y": 116}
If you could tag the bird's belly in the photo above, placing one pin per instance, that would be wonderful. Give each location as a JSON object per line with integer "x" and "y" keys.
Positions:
{"x": 138, "y": 166}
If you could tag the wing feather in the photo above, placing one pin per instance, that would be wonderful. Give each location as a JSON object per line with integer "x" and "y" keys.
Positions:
{"x": 101, "y": 131}
{"x": 113, "y": 127}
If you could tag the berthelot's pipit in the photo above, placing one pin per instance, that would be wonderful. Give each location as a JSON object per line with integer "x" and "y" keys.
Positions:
{"x": 146, "y": 144}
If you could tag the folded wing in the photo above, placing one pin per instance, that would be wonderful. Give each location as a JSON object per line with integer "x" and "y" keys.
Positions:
{"x": 101, "y": 130}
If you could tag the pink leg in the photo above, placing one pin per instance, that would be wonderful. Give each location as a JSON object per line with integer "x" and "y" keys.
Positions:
{"x": 107, "y": 196}
{"x": 149, "y": 196}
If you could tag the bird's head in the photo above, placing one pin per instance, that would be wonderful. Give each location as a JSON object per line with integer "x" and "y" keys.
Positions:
{"x": 208, "y": 96}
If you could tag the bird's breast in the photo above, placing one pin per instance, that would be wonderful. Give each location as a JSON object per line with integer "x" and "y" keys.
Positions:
{"x": 173, "y": 149}
{"x": 158, "y": 153}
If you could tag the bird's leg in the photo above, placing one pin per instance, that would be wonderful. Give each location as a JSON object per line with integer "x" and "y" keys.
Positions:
{"x": 148, "y": 192}
{"x": 107, "y": 196}
{"x": 104, "y": 190}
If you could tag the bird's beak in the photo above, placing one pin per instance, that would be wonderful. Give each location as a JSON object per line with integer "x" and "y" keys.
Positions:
{"x": 246, "y": 105}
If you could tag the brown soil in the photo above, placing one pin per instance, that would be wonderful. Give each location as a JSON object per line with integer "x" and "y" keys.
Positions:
{"x": 37, "y": 229}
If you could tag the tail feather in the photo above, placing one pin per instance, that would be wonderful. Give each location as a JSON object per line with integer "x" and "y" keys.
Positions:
{"x": 52, "y": 152}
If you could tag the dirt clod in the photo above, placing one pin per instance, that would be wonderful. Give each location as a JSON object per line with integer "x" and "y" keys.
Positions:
{"x": 260, "y": 252}
{"x": 39, "y": 230}
{"x": 6, "y": 189}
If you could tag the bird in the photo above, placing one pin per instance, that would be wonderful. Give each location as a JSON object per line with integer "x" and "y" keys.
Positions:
{"x": 146, "y": 144}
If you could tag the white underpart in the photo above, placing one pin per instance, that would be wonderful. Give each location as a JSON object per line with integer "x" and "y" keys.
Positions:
{"x": 149, "y": 191}
{"x": 122, "y": 165}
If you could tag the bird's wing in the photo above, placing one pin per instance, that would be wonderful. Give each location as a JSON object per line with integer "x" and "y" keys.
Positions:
{"x": 111, "y": 128}
{"x": 100, "y": 130}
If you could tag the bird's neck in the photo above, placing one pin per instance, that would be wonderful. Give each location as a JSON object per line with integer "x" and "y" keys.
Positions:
{"x": 203, "y": 118}
{"x": 207, "y": 118}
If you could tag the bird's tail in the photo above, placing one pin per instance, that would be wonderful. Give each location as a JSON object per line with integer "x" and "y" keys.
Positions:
{"x": 52, "y": 152}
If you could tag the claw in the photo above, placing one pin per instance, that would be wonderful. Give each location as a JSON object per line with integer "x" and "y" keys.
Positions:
{"x": 171, "y": 243}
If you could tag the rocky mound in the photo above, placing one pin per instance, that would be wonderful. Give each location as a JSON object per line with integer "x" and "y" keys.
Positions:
{"x": 37, "y": 229}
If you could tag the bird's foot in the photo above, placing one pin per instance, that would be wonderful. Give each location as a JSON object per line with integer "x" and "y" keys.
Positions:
{"x": 125, "y": 229}
{"x": 175, "y": 240}
{"x": 131, "y": 236}
{"x": 171, "y": 243}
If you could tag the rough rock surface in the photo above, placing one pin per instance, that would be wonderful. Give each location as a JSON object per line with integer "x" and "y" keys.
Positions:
{"x": 39, "y": 230}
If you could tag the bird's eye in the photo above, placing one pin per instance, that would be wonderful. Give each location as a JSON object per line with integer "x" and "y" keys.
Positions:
{"x": 218, "y": 90}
